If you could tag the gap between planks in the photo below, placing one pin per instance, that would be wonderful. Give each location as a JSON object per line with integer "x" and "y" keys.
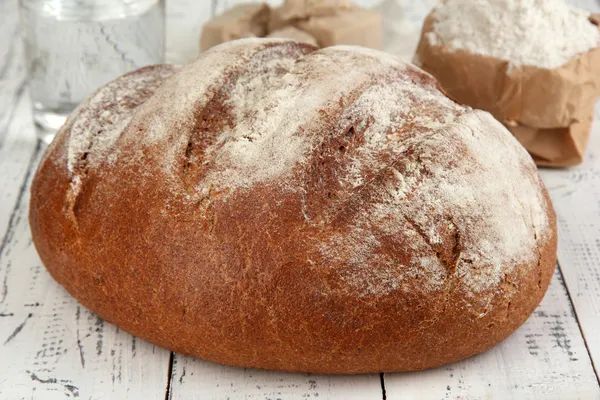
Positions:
{"x": 585, "y": 340}
{"x": 169, "y": 376}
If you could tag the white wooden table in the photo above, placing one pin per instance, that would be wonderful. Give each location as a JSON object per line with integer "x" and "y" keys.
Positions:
{"x": 53, "y": 348}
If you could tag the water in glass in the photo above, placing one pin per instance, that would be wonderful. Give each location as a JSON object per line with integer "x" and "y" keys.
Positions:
{"x": 72, "y": 47}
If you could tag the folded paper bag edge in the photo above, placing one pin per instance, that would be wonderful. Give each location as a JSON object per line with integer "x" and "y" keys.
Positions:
{"x": 515, "y": 93}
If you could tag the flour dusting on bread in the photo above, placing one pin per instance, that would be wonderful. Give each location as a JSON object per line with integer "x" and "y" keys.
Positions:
{"x": 279, "y": 112}
{"x": 98, "y": 123}
{"x": 420, "y": 173}
{"x": 335, "y": 199}
{"x": 457, "y": 176}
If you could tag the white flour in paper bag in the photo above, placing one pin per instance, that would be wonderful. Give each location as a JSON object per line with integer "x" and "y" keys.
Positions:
{"x": 540, "y": 33}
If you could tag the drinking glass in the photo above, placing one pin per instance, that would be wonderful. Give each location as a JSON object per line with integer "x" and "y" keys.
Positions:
{"x": 72, "y": 47}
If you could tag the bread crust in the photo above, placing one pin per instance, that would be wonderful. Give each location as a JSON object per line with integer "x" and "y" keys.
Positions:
{"x": 240, "y": 275}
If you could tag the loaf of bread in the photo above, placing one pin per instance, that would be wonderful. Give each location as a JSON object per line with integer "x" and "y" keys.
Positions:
{"x": 275, "y": 206}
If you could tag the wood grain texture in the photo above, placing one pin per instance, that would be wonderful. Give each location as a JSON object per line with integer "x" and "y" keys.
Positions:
{"x": 17, "y": 141}
{"x": 545, "y": 359}
{"x": 195, "y": 379}
{"x": 53, "y": 348}
{"x": 12, "y": 72}
{"x": 16, "y": 161}
{"x": 575, "y": 193}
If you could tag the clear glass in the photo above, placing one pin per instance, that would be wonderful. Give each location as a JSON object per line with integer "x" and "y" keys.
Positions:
{"x": 73, "y": 47}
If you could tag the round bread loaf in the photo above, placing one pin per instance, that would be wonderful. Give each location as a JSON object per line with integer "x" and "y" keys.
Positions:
{"x": 276, "y": 206}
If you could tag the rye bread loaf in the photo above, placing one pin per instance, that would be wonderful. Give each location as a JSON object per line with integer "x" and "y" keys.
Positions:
{"x": 276, "y": 206}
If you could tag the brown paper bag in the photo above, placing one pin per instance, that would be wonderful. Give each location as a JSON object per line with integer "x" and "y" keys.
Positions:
{"x": 548, "y": 110}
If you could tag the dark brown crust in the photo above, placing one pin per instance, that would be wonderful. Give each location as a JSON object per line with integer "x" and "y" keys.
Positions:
{"x": 235, "y": 282}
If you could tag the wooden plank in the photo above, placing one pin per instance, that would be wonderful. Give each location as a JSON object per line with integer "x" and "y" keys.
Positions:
{"x": 575, "y": 193}
{"x": 16, "y": 160}
{"x": 198, "y": 379}
{"x": 12, "y": 71}
{"x": 51, "y": 347}
{"x": 17, "y": 138}
{"x": 545, "y": 359}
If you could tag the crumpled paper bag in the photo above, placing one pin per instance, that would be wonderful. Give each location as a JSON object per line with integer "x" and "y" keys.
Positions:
{"x": 548, "y": 110}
